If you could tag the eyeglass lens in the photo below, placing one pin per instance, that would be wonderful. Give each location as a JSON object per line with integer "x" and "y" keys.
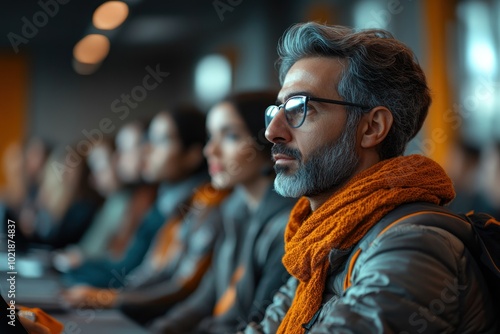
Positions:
{"x": 294, "y": 110}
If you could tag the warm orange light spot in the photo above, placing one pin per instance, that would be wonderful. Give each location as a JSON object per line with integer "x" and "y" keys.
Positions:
{"x": 91, "y": 49}
{"x": 110, "y": 15}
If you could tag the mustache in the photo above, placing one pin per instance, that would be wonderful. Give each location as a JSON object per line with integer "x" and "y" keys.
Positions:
{"x": 283, "y": 149}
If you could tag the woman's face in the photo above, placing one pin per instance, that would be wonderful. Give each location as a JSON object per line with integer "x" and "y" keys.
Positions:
{"x": 233, "y": 155}
{"x": 164, "y": 157}
{"x": 129, "y": 154}
{"x": 102, "y": 169}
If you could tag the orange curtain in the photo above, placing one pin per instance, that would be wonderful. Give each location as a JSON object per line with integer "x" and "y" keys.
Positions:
{"x": 438, "y": 133}
{"x": 13, "y": 101}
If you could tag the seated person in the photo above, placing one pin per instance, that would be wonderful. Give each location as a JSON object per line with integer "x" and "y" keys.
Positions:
{"x": 172, "y": 268}
{"x": 24, "y": 168}
{"x": 173, "y": 159}
{"x": 350, "y": 102}
{"x": 65, "y": 203}
{"x": 129, "y": 159}
{"x": 125, "y": 204}
{"x": 490, "y": 179}
{"x": 462, "y": 166}
{"x": 246, "y": 268}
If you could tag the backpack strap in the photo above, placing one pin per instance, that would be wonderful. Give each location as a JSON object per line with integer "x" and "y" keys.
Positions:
{"x": 488, "y": 230}
{"x": 418, "y": 213}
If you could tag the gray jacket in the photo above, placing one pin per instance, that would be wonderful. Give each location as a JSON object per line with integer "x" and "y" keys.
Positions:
{"x": 410, "y": 279}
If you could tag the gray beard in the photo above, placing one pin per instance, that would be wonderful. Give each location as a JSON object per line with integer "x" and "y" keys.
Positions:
{"x": 328, "y": 167}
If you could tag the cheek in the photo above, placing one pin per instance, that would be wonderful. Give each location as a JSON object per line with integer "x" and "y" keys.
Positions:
{"x": 126, "y": 160}
{"x": 247, "y": 163}
{"x": 237, "y": 155}
{"x": 156, "y": 157}
{"x": 311, "y": 140}
{"x": 172, "y": 164}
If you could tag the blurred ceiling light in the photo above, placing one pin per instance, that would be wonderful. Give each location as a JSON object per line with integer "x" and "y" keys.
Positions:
{"x": 212, "y": 78}
{"x": 481, "y": 54}
{"x": 481, "y": 57}
{"x": 110, "y": 15}
{"x": 91, "y": 49}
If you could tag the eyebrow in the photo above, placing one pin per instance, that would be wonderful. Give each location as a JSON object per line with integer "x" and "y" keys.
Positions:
{"x": 286, "y": 97}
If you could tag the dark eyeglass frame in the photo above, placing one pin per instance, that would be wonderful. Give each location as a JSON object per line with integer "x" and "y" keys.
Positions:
{"x": 269, "y": 114}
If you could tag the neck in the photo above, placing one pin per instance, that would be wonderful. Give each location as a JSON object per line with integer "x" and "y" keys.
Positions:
{"x": 317, "y": 200}
{"x": 255, "y": 190}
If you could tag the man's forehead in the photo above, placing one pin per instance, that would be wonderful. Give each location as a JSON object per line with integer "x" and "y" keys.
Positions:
{"x": 316, "y": 75}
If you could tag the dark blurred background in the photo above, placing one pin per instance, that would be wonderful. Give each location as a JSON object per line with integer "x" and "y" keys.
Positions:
{"x": 213, "y": 46}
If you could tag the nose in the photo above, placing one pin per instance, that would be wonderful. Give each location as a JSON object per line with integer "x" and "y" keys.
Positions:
{"x": 209, "y": 148}
{"x": 278, "y": 130}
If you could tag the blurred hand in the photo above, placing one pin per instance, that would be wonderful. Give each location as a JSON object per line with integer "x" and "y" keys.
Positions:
{"x": 33, "y": 327}
{"x": 67, "y": 260}
{"x": 90, "y": 297}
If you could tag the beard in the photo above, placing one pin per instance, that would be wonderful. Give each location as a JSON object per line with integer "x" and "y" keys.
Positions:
{"x": 326, "y": 168}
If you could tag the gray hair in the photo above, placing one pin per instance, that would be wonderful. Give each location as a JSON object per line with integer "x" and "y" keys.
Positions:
{"x": 379, "y": 71}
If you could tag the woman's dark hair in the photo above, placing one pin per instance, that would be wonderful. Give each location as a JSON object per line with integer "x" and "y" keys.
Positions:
{"x": 251, "y": 107}
{"x": 191, "y": 128}
{"x": 190, "y": 123}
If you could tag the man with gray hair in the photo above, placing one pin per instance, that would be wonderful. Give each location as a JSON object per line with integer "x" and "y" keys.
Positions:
{"x": 350, "y": 102}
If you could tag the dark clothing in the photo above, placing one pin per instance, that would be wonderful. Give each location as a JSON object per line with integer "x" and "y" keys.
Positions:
{"x": 69, "y": 230}
{"x": 247, "y": 265}
{"x": 465, "y": 202}
{"x": 152, "y": 290}
{"x": 108, "y": 273}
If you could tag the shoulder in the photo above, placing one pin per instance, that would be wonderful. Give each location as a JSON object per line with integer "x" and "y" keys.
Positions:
{"x": 410, "y": 246}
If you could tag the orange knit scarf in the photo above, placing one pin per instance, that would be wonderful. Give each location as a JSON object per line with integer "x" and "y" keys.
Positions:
{"x": 345, "y": 218}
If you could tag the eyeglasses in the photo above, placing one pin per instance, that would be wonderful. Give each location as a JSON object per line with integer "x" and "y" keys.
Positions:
{"x": 295, "y": 109}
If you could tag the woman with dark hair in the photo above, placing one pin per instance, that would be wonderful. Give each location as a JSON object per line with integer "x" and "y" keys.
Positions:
{"x": 246, "y": 268}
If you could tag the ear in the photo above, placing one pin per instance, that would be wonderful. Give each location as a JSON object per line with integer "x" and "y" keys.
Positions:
{"x": 375, "y": 126}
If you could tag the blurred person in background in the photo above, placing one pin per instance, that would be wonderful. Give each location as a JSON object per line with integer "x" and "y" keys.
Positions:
{"x": 178, "y": 257}
{"x": 65, "y": 203}
{"x": 129, "y": 159}
{"x": 14, "y": 191}
{"x": 462, "y": 166}
{"x": 246, "y": 269}
{"x": 173, "y": 267}
{"x": 116, "y": 176}
{"x": 174, "y": 159}
{"x": 490, "y": 179}
{"x": 23, "y": 168}
{"x": 36, "y": 154}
